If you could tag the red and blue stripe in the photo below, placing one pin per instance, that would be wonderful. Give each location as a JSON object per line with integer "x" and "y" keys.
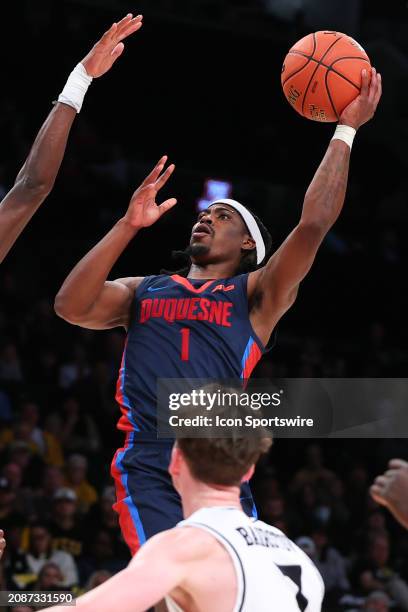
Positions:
{"x": 250, "y": 358}
{"x": 129, "y": 518}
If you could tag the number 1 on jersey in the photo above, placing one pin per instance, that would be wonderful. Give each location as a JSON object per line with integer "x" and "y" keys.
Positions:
{"x": 185, "y": 343}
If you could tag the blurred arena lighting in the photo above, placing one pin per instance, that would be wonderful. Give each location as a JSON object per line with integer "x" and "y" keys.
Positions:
{"x": 340, "y": 15}
{"x": 214, "y": 189}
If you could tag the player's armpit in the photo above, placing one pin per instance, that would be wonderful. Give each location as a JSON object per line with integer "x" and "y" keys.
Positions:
{"x": 273, "y": 289}
{"x": 111, "y": 308}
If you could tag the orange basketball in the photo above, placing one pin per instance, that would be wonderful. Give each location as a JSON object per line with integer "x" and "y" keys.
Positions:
{"x": 321, "y": 74}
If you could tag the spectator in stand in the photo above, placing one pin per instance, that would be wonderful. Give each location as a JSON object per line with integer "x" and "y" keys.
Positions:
{"x": 103, "y": 516}
{"x": 377, "y": 601}
{"x": 79, "y": 433}
{"x": 97, "y": 578}
{"x": 314, "y": 473}
{"x": 52, "y": 480}
{"x": 24, "y": 495}
{"x": 374, "y": 572}
{"x": 15, "y": 563}
{"x": 100, "y": 556}
{"x": 26, "y": 428}
{"x": 10, "y": 367}
{"x": 67, "y": 530}
{"x": 50, "y": 578}
{"x": 9, "y": 516}
{"x": 76, "y": 479}
{"x": 74, "y": 370}
{"x": 330, "y": 563}
{"x": 41, "y": 553}
{"x": 21, "y": 452}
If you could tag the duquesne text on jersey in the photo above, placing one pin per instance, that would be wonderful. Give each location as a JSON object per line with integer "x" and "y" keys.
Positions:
{"x": 193, "y": 309}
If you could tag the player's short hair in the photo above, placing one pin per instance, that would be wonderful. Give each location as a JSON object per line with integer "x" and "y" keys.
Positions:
{"x": 247, "y": 263}
{"x": 222, "y": 461}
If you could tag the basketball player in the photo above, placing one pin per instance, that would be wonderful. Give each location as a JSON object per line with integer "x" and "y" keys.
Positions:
{"x": 217, "y": 559}
{"x": 213, "y": 321}
{"x": 391, "y": 490}
{"x": 37, "y": 176}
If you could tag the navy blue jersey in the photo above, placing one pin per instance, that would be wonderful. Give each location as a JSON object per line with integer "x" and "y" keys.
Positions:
{"x": 183, "y": 328}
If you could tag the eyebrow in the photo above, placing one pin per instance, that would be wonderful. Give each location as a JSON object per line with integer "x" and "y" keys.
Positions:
{"x": 229, "y": 210}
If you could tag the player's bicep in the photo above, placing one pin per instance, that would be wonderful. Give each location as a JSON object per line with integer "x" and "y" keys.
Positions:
{"x": 113, "y": 306}
{"x": 279, "y": 279}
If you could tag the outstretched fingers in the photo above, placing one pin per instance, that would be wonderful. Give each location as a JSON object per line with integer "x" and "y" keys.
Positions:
{"x": 165, "y": 206}
{"x": 155, "y": 173}
{"x": 120, "y": 30}
{"x": 129, "y": 28}
{"x": 162, "y": 180}
{"x": 109, "y": 34}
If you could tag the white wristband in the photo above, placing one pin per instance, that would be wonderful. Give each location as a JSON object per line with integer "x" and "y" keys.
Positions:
{"x": 75, "y": 88}
{"x": 345, "y": 133}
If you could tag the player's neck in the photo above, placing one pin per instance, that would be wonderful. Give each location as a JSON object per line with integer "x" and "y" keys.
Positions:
{"x": 211, "y": 271}
{"x": 204, "y": 496}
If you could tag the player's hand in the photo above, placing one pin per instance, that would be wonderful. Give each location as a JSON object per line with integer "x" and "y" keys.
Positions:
{"x": 107, "y": 50}
{"x": 391, "y": 490}
{"x": 362, "y": 109}
{"x": 2, "y": 543}
{"x": 143, "y": 209}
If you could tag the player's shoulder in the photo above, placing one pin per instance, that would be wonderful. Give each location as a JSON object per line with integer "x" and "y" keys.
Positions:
{"x": 131, "y": 282}
{"x": 180, "y": 544}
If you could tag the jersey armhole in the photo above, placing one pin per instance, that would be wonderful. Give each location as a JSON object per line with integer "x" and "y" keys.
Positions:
{"x": 235, "y": 558}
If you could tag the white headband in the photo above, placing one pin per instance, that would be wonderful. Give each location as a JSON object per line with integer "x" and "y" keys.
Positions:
{"x": 251, "y": 225}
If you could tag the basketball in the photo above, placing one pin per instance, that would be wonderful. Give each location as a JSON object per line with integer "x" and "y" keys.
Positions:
{"x": 321, "y": 74}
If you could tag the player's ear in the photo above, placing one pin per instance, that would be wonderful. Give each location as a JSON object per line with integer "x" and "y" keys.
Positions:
{"x": 175, "y": 461}
{"x": 248, "y": 474}
{"x": 248, "y": 243}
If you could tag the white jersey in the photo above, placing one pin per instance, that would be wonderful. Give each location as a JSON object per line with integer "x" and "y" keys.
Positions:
{"x": 273, "y": 574}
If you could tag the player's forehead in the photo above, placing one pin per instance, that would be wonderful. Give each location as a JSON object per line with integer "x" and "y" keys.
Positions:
{"x": 221, "y": 206}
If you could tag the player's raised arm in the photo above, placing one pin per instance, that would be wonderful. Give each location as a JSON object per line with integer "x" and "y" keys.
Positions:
{"x": 37, "y": 176}
{"x": 86, "y": 298}
{"x": 279, "y": 279}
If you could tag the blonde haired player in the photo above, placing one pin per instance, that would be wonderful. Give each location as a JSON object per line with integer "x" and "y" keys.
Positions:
{"x": 218, "y": 558}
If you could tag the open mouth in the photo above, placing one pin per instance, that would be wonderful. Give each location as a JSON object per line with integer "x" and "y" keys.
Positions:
{"x": 202, "y": 229}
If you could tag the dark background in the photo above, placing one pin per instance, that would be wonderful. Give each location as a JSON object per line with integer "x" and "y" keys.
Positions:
{"x": 201, "y": 83}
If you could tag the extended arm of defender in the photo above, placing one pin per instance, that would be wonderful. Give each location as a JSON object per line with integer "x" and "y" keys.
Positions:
{"x": 279, "y": 279}
{"x": 36, "y": 178}
{"x": 160, "y": 566}
{"x": 87, "y": 298}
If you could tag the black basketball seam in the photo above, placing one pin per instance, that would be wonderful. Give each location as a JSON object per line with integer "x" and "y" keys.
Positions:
{"x": 309, "y": 58}
{"x": 341, "y": 74}
{"x": 296, "y": 71}
{"x": 329, "y": 94}
{"x": 315, "y": 70}
{"x": 312, "y": 59}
